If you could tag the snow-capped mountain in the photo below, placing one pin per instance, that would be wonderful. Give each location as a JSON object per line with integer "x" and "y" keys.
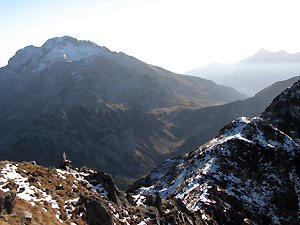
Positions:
{"x": 40, "y": 84}
{"x": 65, "y": 72}
{"x": 65, "y": 49}
{"x": 265, "y": 56}
{"x": 247, "y": 174}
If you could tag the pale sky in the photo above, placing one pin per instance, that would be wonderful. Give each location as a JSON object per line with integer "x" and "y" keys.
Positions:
{"x": 177, "y": 35}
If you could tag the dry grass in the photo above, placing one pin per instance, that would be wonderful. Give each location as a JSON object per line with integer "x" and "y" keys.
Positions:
{"x": 61, "y": 187}
{"x": 49, "y": 181}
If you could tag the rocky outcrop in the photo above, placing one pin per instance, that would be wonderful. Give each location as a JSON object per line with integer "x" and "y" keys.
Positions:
{"x": 64, "y": 163}
{"x": 26, "y": 217}
{"x": 113, "y": 192}
{"x": 97, "y": 213}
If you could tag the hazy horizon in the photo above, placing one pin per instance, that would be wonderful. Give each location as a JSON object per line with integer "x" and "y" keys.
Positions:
{"x": 175, "y": 35}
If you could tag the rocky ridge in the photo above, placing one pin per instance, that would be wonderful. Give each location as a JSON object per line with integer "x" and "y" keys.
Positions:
{"x": 248, "y": 174}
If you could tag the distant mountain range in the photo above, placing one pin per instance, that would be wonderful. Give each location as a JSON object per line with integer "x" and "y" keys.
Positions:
{"x": 254, "y": 73}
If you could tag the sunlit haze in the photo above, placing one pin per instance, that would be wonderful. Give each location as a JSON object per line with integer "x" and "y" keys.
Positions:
{"x": 176, "y": 35}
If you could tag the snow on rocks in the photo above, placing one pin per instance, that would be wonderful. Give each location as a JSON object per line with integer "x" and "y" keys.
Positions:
{"x": 140, "y": 200}
{"x": 247, "y": 160}
{"x": 54, "y": 192}
{"x": 98, "y": 188}
{"x": 9, "y": 172}
{"x": 59, "y": 49}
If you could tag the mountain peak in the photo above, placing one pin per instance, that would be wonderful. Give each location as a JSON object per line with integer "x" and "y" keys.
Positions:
{"x": 56, "y": 49}
{"x": 60, "y": 41}
{"x": 262, "y": 51}
{"x": 265, "y": 56}
{"x": 66, "y": 40}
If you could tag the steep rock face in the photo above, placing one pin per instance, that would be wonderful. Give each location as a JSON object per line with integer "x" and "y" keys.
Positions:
{"x": 284, "y": 112}
{"x": 125, "y": 138}
{"x": 249, "y": 173}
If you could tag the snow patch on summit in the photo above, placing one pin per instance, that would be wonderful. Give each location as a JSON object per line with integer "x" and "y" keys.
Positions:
{"x": 60, "y": 49}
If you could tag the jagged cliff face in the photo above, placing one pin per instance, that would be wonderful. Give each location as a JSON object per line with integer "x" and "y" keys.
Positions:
{"x": 249, "y": 173}
{"x": 123, "y": 142}
{"x": 90, "y": 138}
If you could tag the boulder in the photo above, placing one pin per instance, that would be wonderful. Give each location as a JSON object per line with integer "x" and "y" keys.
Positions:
{"x": 64, "y": 163}
{"x": 107, "y": 182}
{"x": 26, "y": 217}
{"x": 97, "y": 212}
{"x": 7, "y": 201}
